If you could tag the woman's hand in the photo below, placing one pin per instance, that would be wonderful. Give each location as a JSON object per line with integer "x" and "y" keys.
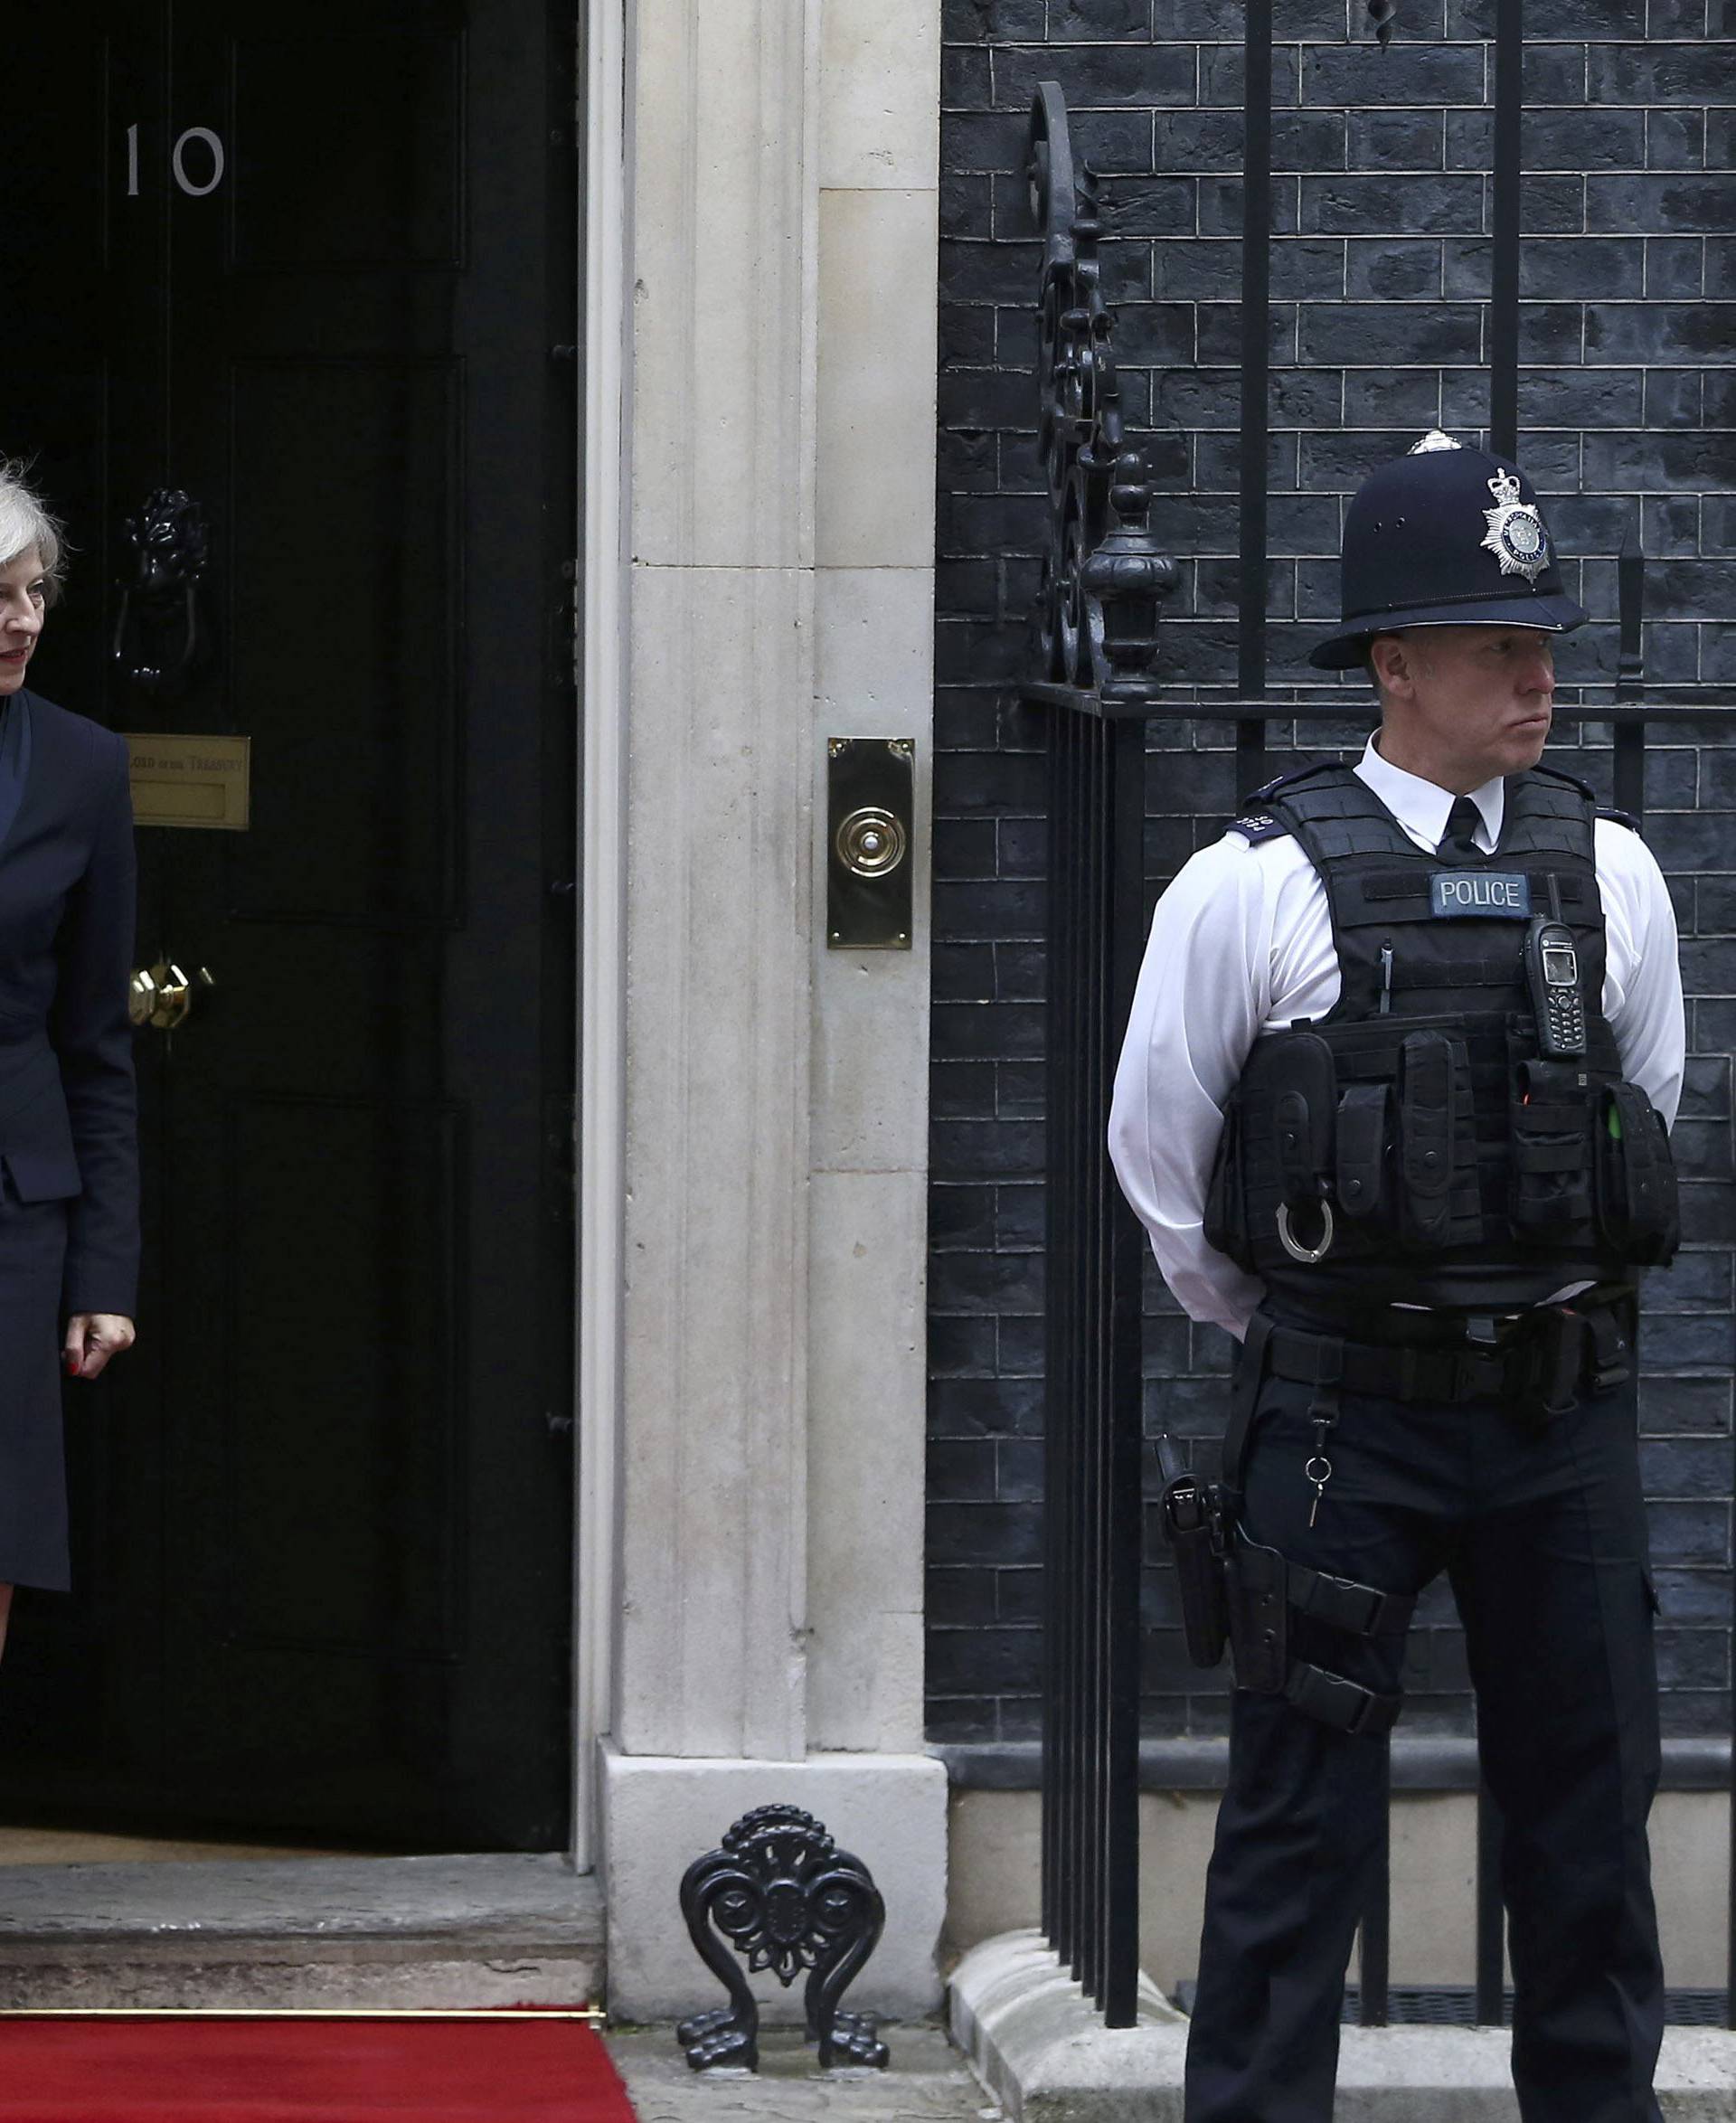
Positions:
{"x": 93, "y": 1338}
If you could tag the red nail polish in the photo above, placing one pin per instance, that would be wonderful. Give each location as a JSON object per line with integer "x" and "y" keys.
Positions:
{"x": 72, "y": 1367}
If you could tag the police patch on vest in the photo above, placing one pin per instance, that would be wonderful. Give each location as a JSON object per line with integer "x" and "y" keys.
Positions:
{"x": 1503, "y": 894}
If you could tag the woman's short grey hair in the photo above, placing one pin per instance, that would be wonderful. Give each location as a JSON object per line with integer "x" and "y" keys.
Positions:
{"x": 25, "y": 521}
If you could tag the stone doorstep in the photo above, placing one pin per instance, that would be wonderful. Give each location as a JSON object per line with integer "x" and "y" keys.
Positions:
{"x": 387, "y": 1933}
{"x": 1046, "y": 2056}
{"x": 927, "y": 2082}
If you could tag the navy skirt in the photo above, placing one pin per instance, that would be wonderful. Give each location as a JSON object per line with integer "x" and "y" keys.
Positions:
{"x": 33, "y": 1450}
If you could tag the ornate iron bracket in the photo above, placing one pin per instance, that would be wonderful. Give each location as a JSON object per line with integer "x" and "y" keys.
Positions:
{"x": 1103, "y": 577}
{"x": 781, "y": 1893}
{"x": 158, "y": 639}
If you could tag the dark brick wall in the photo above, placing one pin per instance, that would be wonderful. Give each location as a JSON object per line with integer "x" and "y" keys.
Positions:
{"x": 1380, "y": 266}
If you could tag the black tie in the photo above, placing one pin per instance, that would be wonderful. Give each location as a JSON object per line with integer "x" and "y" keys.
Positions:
{"x": 1458, "y": 842}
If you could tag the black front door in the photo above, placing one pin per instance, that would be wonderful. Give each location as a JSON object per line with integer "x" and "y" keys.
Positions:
{"x": 315, "y": 267}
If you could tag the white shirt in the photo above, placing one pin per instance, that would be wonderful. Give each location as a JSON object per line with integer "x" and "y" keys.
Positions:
{"x": 1240, "y": 945}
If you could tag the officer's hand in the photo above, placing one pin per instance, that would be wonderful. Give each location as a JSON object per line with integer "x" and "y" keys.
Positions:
{"x": 93, "y": 1338}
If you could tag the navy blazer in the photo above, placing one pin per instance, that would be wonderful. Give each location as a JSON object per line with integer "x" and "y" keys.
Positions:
{"x": 69, "y": 1119}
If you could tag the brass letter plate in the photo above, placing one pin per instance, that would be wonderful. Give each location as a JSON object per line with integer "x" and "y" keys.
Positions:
{"x": 870, "y": 824}
{"x": 197, "y": 780}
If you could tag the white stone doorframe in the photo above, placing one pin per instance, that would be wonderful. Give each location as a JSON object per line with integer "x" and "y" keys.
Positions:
{"x": 757, "y": 494}
{"x": 601, "y": 611}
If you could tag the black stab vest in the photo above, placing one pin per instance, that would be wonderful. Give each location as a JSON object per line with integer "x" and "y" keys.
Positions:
{"x": 1454, "y": 1166}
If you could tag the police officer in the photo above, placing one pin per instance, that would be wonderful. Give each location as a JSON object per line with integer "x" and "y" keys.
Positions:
{"x": 1393, "y": 1105}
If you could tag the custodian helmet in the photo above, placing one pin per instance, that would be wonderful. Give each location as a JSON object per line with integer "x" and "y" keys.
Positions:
{"x": 1446, "y": 537}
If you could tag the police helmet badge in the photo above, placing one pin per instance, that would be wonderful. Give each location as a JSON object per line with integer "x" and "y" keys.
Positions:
{"x": 1515, "y": 535}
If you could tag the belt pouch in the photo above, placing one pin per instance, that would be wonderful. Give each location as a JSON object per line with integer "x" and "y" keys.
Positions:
{"x": 1257, "y": 1586}
{"x": 1544, "y": 1367}
{"x": 1360, "y": 1182}
{"x": 1637, "y": 1210}
{"x": 1189, "y": 1511}
{"x": 1226, "y": 1196}
{"x": 1427, "y": 1124}
{"x": 1549, "y": 1119}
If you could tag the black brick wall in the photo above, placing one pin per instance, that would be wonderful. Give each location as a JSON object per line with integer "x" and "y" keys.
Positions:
{"x": 1380, "y": 265}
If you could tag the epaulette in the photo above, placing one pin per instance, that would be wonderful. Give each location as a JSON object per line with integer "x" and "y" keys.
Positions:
{"x": 1256, "y": 823}
{"x": 1625, "y": 818}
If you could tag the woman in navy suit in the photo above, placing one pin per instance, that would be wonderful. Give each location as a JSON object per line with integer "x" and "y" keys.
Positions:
{"x": 68, "y": 1137}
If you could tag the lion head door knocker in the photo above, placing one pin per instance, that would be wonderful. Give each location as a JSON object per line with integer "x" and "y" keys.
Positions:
{"x": 785, "y": 1897}
{"x": 159, "y": 637}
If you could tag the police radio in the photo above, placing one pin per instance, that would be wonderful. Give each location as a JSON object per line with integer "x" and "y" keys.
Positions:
{"x": 1552, "y": 974}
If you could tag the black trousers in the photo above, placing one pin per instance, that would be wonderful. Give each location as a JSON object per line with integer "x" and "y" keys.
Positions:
{"x": 1542, "y": 1532}
{"x": 32, "y": 1454}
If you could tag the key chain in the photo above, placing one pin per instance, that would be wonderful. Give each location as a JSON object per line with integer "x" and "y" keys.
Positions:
{"x": 1317, "y": 1459}
{"x": 1318, "y": 1469}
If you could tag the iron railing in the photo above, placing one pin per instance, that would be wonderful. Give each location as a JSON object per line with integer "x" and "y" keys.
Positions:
{"x": 1099, "y": 624}
{"x": 1096, "y": 635}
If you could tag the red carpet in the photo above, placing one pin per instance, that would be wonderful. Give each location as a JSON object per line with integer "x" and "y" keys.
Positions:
{"x": 188, "y": 2069}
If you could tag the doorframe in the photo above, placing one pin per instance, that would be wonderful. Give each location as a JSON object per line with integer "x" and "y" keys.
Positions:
{"x": 603, "y": 473}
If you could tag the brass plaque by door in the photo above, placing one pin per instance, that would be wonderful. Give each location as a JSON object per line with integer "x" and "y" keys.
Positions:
{"x": 871, "y": 820}
{"x": 195, "y": 780}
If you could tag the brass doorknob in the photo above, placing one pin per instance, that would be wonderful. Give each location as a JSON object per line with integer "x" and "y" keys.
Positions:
{"x": 162, "y": 996}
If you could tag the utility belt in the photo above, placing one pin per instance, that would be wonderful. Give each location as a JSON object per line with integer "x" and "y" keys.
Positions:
{"x": 1239, "y": 1594}
{"x": 1536, "y": 1363}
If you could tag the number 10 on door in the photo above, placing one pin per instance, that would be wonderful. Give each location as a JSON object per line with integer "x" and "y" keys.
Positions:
{"x": 194, "y": 180}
